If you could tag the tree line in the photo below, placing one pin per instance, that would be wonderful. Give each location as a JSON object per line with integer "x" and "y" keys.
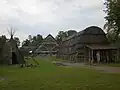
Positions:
{"x": 36, "y": 40}
{"x": 4, "y": 39}
{"x": 112, "y": 20}
{"x": 33, "y": 40}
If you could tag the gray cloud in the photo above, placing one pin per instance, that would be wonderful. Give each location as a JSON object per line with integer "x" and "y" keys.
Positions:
{"x": 49, "y": 16}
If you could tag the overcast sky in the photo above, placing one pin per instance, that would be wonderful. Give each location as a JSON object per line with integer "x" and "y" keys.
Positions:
{"x": 49, "y": 16}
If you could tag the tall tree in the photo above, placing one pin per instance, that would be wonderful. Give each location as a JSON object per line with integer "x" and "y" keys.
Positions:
{"x": 70, "y": 32}
{"x": 26, "y": 42}
{"x": 36, "y": 40}
{"x": 39, "y": 38}
{"x": 111, "y": 36}
{"x": 61, "y": 35}
{"x": 30, "y": 38}
{"x": 2, "y": 42}
{"x": 33, "y": 40}
{"x": 113, "y": 17}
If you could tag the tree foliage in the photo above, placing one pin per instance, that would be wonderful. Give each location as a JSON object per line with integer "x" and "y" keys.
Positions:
{"x": 64, "y": 34}
{"x": 17, "y": 41}
{"x": 111, "y": 36}
{"x": 2, "y": 42}
{"x": 3, "y": 39}
{"x": 70, "y": 32}
{"x": 113, "y": 18}
{"x": 33, "y": 41}
{"x": 26, "y": 42}
{"x": 61, "y": 35}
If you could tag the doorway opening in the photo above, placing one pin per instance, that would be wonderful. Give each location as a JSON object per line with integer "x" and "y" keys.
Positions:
{"x": 14, "y": 58}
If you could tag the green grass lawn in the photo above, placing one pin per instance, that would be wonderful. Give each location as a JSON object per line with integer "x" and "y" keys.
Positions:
{"x": 50, "y": 77}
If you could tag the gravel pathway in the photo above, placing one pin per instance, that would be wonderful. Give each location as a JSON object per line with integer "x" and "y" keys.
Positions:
{"x": 98, "y": 68}
{"x": 107, "y": 69}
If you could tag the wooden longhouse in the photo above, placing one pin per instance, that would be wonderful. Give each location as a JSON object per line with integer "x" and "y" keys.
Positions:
{"x": 83, "y": 46}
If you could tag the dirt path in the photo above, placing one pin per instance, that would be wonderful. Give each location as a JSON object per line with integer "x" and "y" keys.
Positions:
{"x": 98, "y": 68}
{"x": 107, "y": 69}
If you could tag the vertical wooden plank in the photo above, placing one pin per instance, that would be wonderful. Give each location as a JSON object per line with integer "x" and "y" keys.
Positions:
{"x": 117, "y": 55}
{"x": 92, "y": 56}
{"x": 84, "y": 57}
{"x": 89, "y": 56}
{"x": 107, "y": 56}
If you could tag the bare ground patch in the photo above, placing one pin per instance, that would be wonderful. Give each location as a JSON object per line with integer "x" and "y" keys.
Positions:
{"x": 98, "y": 68}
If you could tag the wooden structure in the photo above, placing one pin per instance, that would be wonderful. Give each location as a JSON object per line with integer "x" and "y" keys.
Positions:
{"x": 11, "y": 53}
{"x": 108, "y": 53}
{"x": 82, "y": 46}
{"x": 48, "y": 47}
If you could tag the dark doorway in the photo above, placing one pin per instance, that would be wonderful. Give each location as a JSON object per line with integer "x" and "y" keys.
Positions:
{"x": 14, "y": 58}
{"x": 94, "y": 56}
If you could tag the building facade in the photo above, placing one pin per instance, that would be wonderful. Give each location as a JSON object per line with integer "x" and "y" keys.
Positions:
{"x": 48, "y": 47}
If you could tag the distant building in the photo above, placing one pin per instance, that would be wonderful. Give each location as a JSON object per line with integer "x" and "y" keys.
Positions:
{"x": 48, "y": 47}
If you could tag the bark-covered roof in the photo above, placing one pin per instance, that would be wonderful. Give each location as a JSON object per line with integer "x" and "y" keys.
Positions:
{"x": 92, "y": 30}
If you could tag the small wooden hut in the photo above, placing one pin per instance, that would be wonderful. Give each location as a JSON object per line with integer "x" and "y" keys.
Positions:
{"x": 48, "y": 47}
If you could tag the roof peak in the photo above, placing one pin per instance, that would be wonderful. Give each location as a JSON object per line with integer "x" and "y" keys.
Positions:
{"x": 49, "y": 34}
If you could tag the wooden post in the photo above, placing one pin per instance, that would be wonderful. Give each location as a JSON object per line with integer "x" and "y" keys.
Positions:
{"x": 117, "y": 55}
{"x": 107, "y": 56}
{"x": 92, "y": 56}
{"x": 84, "y": 57}
{"x": 89, "y": 56}
{"x": 76, "y": 57}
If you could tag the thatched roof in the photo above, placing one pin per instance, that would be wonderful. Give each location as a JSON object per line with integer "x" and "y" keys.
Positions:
{"x": 49, "y": 39}
{"x": 88, "y": 35}
{"x": 93, "y": 30}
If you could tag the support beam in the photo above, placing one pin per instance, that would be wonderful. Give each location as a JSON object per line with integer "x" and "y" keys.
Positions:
{"x": 89, "y": 56}
{"x": 117, "y": 55}
{"x": 92, "y": 56}
{"x": 107, "y": 57}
